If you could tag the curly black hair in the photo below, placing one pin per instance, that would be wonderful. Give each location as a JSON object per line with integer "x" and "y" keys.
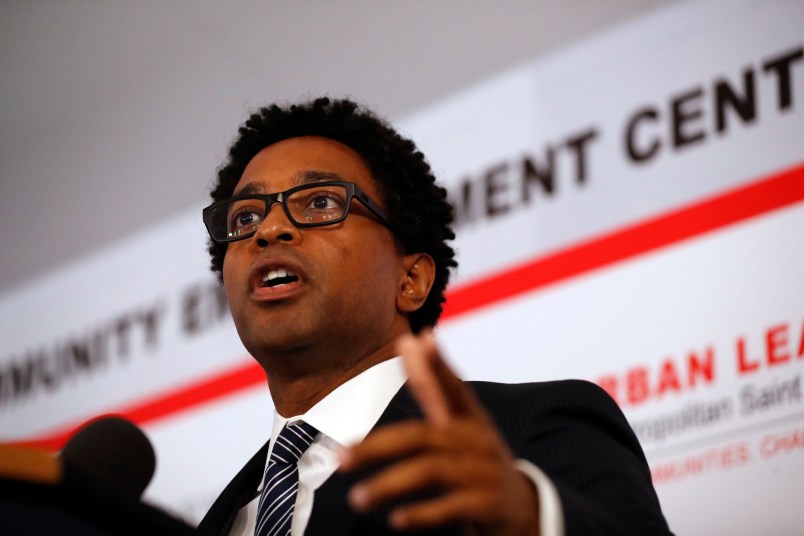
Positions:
{"x": 418, "y": 209}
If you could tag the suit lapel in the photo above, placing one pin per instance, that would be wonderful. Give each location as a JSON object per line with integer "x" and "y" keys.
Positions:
{"x": 240, "y": 491}
{"x": 331, "y": 513}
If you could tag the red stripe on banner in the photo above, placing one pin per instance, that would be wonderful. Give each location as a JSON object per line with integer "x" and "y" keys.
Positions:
{"x": 694, "y": 220}
{"x": 153, "y": 409}
{"x": 736, "y": 205}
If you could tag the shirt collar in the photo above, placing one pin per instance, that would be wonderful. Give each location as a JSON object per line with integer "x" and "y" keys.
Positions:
{"x": 348, "y": 413}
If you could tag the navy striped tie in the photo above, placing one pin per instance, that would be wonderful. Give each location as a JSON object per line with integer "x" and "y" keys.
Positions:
{"x": 281, "y": 481}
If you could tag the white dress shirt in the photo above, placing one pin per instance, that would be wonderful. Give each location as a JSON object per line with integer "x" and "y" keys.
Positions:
{"x": 345, "y": 417}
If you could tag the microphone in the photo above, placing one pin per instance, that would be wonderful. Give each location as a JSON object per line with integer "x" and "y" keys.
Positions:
{"x": 92, "y": 487}
{"x": 111, "y": 451}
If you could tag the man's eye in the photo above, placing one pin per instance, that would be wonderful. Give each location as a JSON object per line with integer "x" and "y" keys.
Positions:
{"x": 324, "y": 202}
{"x": 244, "y": 218}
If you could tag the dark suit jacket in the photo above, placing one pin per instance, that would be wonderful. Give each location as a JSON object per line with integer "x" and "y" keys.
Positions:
{"x": 572, "y": 430}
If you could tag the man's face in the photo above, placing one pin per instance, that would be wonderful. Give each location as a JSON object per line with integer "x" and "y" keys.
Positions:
{"x": 343, "y": 279}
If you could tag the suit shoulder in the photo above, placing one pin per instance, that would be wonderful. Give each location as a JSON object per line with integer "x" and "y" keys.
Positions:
{"x": 560, "y": 392}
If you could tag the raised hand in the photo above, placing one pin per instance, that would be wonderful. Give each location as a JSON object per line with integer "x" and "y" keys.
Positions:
{"x": 456, "y": 449}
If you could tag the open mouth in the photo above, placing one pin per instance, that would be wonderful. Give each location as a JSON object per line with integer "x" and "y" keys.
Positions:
{"x": 277, "y": 277}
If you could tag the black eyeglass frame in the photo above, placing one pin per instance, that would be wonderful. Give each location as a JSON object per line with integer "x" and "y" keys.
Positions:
{"x": 352, "y": 191}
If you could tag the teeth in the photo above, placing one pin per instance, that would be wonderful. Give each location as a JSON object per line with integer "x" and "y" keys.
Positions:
{"x": 274, "y": 274}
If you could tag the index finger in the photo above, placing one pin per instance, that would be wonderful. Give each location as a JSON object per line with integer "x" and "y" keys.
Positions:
{"x": 439, "y": 392}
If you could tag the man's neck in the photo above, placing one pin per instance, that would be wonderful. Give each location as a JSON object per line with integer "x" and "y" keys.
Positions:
{"x": 294, "y": 391}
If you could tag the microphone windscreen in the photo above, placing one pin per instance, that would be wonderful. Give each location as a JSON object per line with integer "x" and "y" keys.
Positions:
{"x": 113, "y": 451}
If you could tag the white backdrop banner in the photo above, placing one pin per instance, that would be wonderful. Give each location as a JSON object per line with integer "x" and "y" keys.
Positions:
{"x": 629, "y": 211}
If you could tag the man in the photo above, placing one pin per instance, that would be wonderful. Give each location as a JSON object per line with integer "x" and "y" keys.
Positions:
{"x": 330, "y": 236}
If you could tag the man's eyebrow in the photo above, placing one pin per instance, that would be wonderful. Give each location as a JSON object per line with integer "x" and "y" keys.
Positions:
{"x": 302, "y": 178}
{"x": 251, "y": 188}
{"x": 311, "y": 176}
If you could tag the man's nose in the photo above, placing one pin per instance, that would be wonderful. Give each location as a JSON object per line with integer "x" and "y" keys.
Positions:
{"x": 276, "y": 227}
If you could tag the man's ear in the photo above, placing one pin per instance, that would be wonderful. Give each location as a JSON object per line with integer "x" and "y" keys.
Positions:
{"x": 415, "y": 282}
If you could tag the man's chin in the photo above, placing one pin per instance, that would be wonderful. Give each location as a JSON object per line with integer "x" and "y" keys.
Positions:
{"x": 281, "y": 344}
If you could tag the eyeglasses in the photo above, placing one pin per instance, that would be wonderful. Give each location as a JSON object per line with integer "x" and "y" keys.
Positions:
{"x": 311, "y": 205}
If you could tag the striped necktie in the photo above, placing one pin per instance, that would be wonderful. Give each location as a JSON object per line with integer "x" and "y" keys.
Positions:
{"x": 281, "y": 480}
